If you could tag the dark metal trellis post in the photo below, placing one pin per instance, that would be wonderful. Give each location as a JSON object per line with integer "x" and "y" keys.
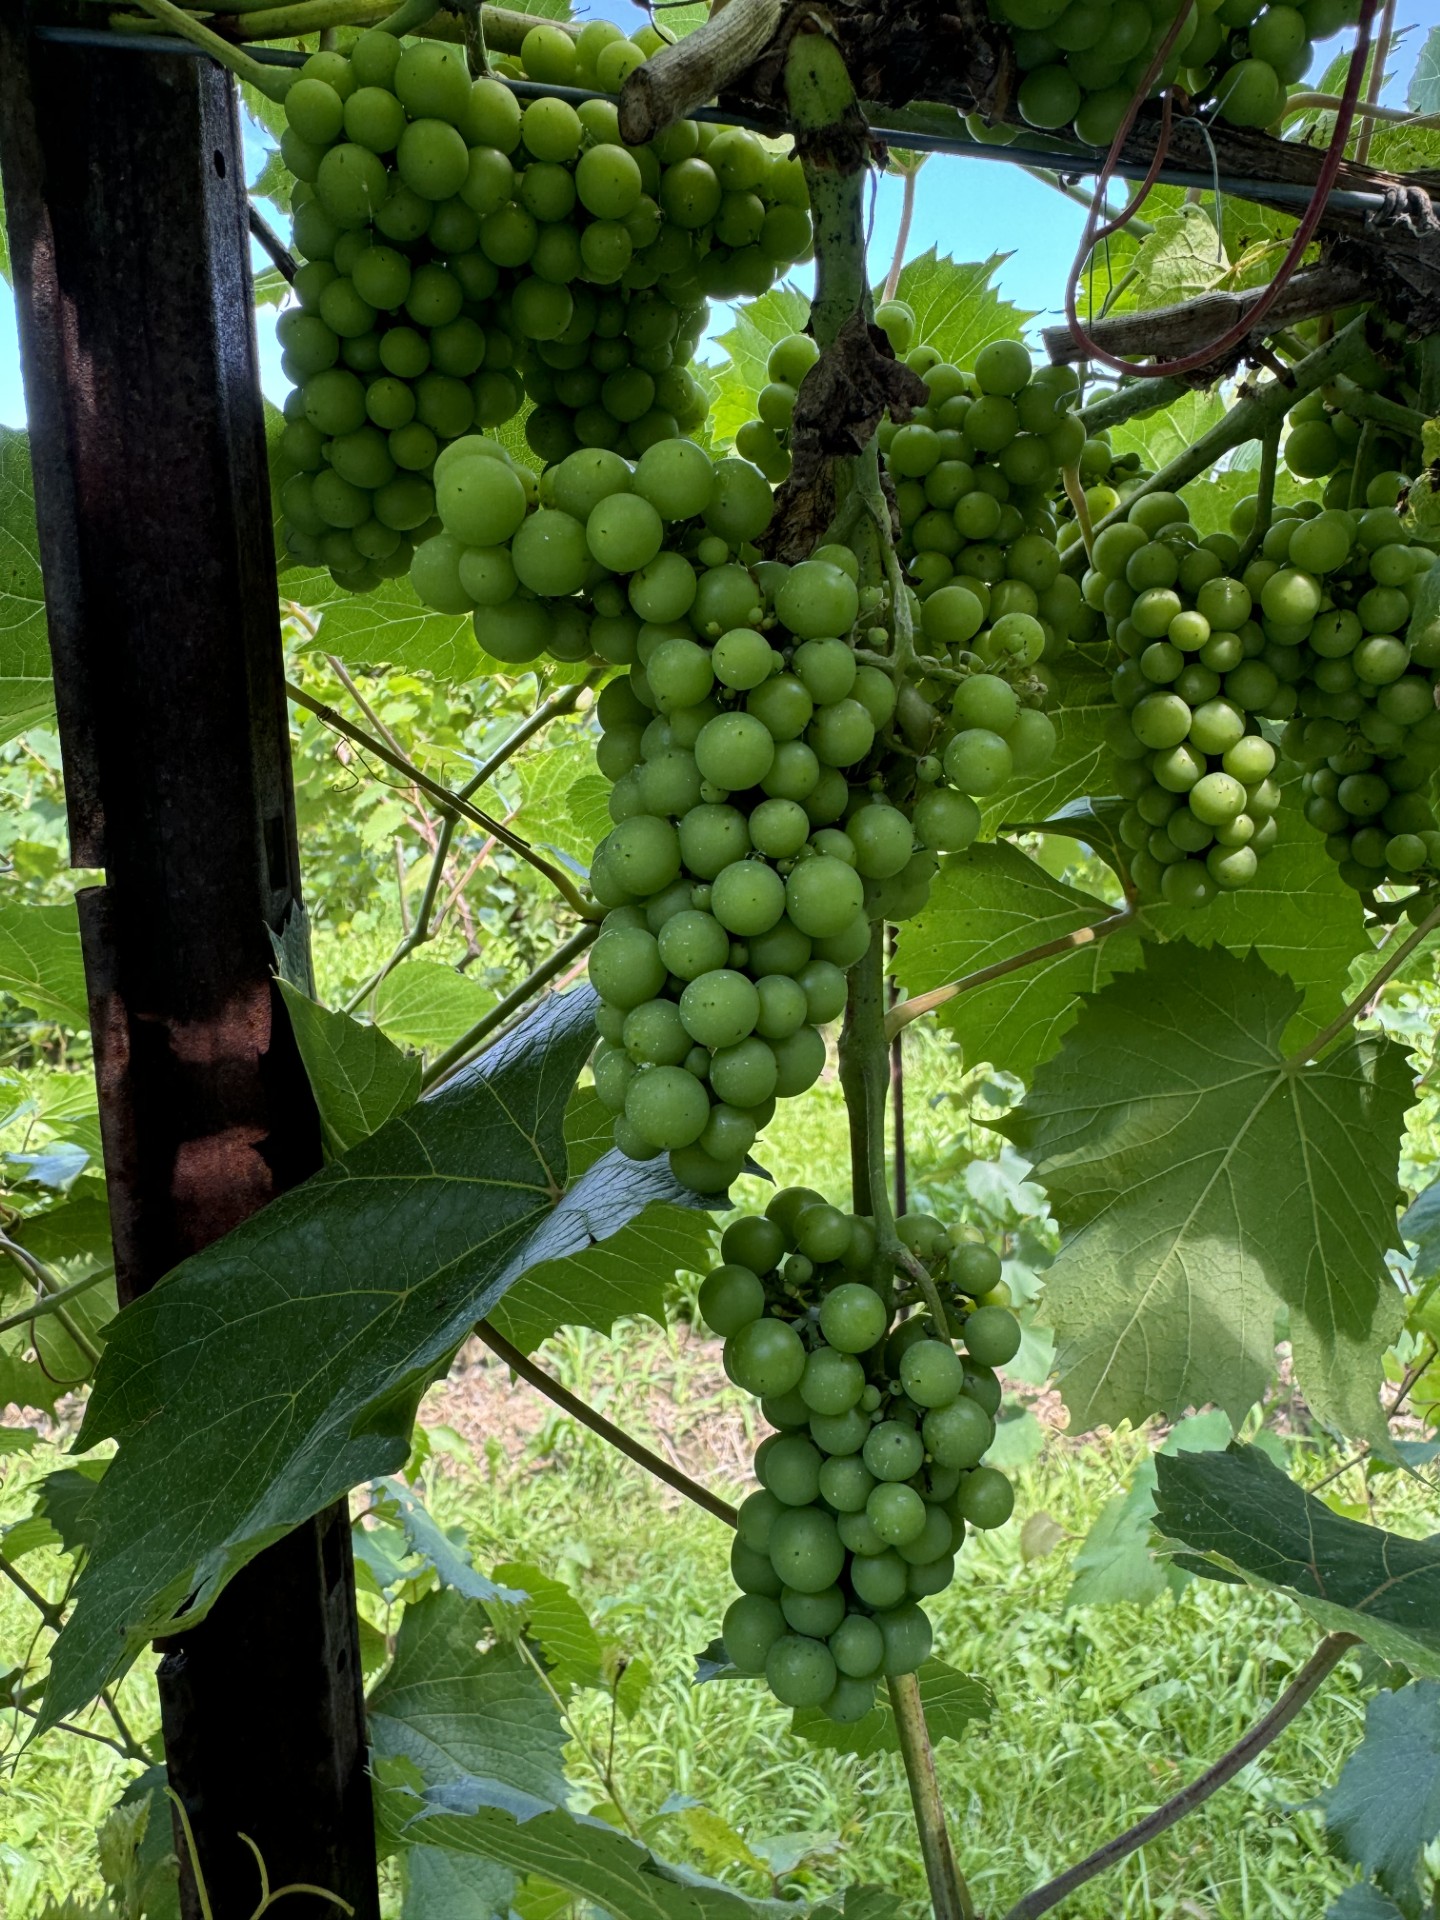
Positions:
{"x": 125, "y": 194}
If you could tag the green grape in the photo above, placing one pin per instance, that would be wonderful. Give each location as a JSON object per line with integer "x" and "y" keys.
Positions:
{"x": 730, "y": 1298}
{"x": 765, "y": 1357}
{"x": 853, "y": 1317}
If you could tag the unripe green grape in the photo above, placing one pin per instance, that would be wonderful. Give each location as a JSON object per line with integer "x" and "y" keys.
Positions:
{"x": 879, "y": 1579}
{"x": 750, "y": 1629}
{"x": 765, "y": 1357}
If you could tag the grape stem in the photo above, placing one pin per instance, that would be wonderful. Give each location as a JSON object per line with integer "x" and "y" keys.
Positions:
{"x": 273, "y": 82}
{"x": 623, "y": 1442}
{"x": 1352, "y": 1011}
{"x": 919, "y": 1004}
{"x": 909, "y": 175}
{"x": 47, "y": 1283}
{"x": 1375, "y": 407}
{"x": 1296, "y": 1696}
{"x": 948, "y": 1892}
{"x": 1264, "y": 495}
{"x": 448, "y": 800}
{"x": 1075, "y": 494}
{"x": 48, "y": 1303}
{"x": 865, "y": 1079}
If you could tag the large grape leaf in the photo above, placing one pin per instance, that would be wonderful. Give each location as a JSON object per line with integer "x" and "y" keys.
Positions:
{"x": 1204, "y": 1183}
{"x": 283, "y": 1365}
{"x": 1385, "y": 1807}
{"x": 26, "y": 697}
{"x": 956, "y": 306}
{"x": 1240, "y": 1509}
{"x": 358, "y": 1077}
{"x": 1423, "y": 95}
{"x": 40, "y": 962}
{"x": 1363, "y": 1902}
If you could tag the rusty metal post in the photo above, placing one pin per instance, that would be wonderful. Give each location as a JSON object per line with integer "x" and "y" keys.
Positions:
{"x": 125, "y": 194}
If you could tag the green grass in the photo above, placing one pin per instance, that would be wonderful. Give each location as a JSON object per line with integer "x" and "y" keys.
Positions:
{"x": 1100, "y": 1712}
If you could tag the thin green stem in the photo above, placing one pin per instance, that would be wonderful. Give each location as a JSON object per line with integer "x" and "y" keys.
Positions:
{"x": 464, "y": 1050}
{"x": 1361, "y": 405}
{"x": 202, "y": 1892}
{"x": 909, "y": 175}
{"x": 45, "y": 1282}
{"x": 949, "y": 1895}
{"x": 52, "y": 1302}
{"x": 1351, "y": 1012}
{"x": 1264, "y": 495}
{"x": 52, "y": 1614}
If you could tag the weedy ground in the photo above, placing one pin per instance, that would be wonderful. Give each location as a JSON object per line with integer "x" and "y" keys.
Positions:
{"x": 1101, "y": 1711}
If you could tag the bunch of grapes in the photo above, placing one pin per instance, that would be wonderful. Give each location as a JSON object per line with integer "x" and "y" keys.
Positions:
{"x": 1083, "y": 60}
{"x": 1198, "y": 674}
{"x": 464, "y": 252}
{"x": 1337, "y": 589}
{"x": 874, "y": 1472}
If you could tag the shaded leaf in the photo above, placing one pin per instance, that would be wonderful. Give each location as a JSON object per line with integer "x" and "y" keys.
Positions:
{"x": 283, "y": 1365}
{"x": 1347, "y": 1576}
{"x": 359, "y": 1078}
{"x": 952, "y": 1701}
{"x": 1115, "y": 1562}
{"x": 447, "y": 1886}
{"x": 40, "y": 963}
{"x": 26, "y": 697}
{"x": 455, "y": 1712}
{"x": 389, "y": 624}
{"x": 1385, "y": 1807}
{"x": 549, "y": 1614}
{"x": 429, "y": 1542}
{"x": 1203, "y": 1182}
{"x": 426, "y": 1004}
{"x": 1363, "y": 1902}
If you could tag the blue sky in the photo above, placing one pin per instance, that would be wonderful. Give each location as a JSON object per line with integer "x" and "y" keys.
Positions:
{"x": 968, "y": 208}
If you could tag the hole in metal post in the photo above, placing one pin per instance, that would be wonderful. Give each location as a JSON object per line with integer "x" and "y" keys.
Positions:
{"x": 220, "y": 163}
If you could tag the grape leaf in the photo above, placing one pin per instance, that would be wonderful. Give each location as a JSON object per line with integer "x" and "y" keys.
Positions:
{"x": 1204, "y": 1182}
{"x": 446, "y": 1886}
{"x": 40, "y": 963}
{"x": 1179, "y": 258}
{"x": 1385, "y": 1807}
{"x": 1363, "y": 1902}
{"x": 952, "y": 1700}
{"x": 1420, "y": 1225}
{"x": 564, "y": 802}
{"x": 1114, "y": 1562}
{"x": 735, "y": 384}
{"x": 26, "y": 697}
{"x": 1159, "y": 437}
{"x": 358, "y": 1077}
{"x": 956, "y": 306}
{"x": 424, "y": 1003}
{"x": 455, "y": 1713}
{"x": 987, "y": 905}
{"x": 549, "y": 1614}
{"x": 1423, "y": 93}
{"x": 1082, "y": 706}
{"x": 395, "y": 1502}
{"x": 388, "y": 623}
{"x": 1349, "y": 1577}
{"x": 580, "y": 1855}
{"x": 283, "y": 1365}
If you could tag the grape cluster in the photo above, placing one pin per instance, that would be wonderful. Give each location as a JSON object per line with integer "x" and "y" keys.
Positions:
{"x": 1083, "y": 60}
{"x": 874, "y": 1472}
{"x": 1338, "y": 589}
{"x": 1197, "y": 675}
{"x": 463, "y": 252}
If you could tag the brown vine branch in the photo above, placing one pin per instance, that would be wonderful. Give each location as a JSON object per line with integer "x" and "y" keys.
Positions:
{"x": 696, "y": 68}
{"x": 623, "y": 1442}
{"x": 1295, "y": 1697}
{"x": 280, "y": 255}
{"x": 1168, "y": 331}
{"x": 901, "y": 1015}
